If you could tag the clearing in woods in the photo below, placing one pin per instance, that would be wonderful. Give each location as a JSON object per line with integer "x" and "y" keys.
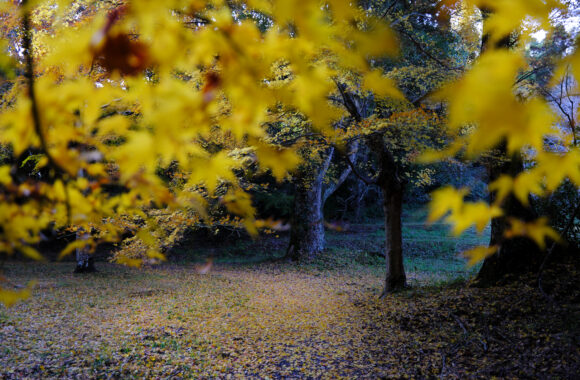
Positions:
{"x": 277, "y": 320}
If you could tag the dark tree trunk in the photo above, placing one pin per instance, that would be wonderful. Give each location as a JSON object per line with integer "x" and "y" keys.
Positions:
{"x": 307, "y": 221}
{"x": 392, "y": 187}
{"x": 393, "y": 205}
{"x": 516, "y": 255}
{"x": 307, "y": 228}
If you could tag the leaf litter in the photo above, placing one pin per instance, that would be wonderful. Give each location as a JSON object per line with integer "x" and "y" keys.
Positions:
{"x": 281, "y": 321}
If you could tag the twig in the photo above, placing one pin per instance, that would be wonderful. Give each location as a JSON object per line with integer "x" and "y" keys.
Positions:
{"x": 363, "y": 178}
{"x": 458, "y": 320}
{"x": 393, "y": 3}
{"x": 427, "y": 53}
{"x": 528, "y": 74}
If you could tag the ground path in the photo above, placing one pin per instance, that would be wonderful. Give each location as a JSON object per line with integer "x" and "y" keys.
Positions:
{"x": 273, "y": 320}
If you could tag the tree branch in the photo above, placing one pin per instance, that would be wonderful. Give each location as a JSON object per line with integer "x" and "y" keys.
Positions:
{"x": 353, "y": 150}
{"x": 362, "y": 177}
{"x": 29, "y": 75}
{"x": 393, "y": 3}
{"x": 427, "y": 53}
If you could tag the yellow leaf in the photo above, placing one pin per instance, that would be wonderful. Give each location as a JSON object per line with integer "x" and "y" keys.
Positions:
{"x": 127, "y": 261}
{"x": 77, "y": 244}
{"x": 445, "y": 200}
{"x": 239, "y": 203}
{"x": 527, "y": 183}
{"x": 480, "y": 214}
{"x": 430, "y": 156}
{"x": 153, "y": 254}
{"x": 147, "y": 238}
{"x": 278, "y": 160}
{"x": 9, "y": 297}
{"x": 477, "y": 254}
{"x": 555, "y": 167}
{"x": 538, "y": 231}
{"x": 30, "y": 252}
{"x": 5, "y": 177}
{"x": 382, "y": 85}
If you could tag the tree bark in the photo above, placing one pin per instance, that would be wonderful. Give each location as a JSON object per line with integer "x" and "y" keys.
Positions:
{"x": 393, "y": 205}
{"x": 516, "y": 255}
{"x": 392, "y": 187}
{"x": 307, "y": 221}
{"x": 307, "y": 228}
{"x": 351, "y": 153}
{"x": 85, "y": 262}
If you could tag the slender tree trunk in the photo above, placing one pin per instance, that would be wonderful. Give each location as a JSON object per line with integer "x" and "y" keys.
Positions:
{"x": 393, "y": 206}
{"x": 392, "y": 187}
{"x": 85, "y": 261}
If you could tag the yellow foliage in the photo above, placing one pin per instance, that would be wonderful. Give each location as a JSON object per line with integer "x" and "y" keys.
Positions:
{"x": 449, "y": 201}
{"x": 508, "y": 16}
{"x": 270, "y": 157}
{"x": 477, "y": 254}
{"x": 485, "y": 97}
{"x": 538, "y": 231}
{"x": 445, "y": 200}
{"x": 381, "y": 85}
{"x": 127, "y": 89}
{"x": 9, "y": 297}
{"x": 74, "y": 245}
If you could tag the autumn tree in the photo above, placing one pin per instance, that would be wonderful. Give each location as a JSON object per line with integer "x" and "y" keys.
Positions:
{"x": 409, "y": 21}
{"x": 502, "y": 117}
{"x": 314, "y": 182}
{"x": 402, "y": 126}
{"x": 138, "y": 85}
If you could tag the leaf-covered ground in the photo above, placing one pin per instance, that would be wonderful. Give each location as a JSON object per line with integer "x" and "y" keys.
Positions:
{"x": 275, "y": 320}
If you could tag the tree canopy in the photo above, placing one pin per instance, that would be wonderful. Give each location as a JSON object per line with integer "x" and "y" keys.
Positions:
{"x": 97, "y": 96}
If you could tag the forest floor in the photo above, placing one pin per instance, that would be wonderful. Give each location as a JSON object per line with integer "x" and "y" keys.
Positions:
{"x": 322, "y": 319}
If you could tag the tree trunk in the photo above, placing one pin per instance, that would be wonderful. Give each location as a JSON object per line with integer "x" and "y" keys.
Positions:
{"x": 352, "y": 150}
{"x": 392, "y": 187}
{"x": 307, "y": 228}
{"x": 393, "y": 206}
{"x": 85, "y": 262}
{"x": 307, "y": 221}
{"x": 516, "y": 255}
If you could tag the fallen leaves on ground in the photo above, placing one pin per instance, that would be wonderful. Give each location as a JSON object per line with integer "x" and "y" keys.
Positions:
{"x": 279, "y": 321}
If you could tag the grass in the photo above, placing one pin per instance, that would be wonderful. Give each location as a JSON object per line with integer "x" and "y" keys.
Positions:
{"x": 431, "y": 254}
